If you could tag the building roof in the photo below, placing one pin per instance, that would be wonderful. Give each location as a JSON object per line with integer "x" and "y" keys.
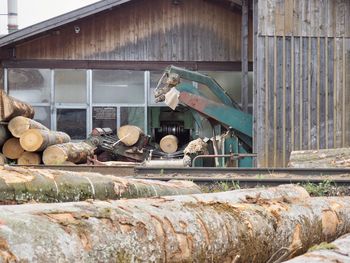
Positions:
{"x": 59, "y": 21}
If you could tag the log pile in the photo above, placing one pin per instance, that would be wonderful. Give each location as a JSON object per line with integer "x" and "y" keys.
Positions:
{"x": 252, "y": 225}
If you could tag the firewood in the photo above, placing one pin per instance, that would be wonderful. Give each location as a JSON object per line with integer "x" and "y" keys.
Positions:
{"x": 12, "y": 149}
{"x": 20, "y": 124}
{"x": 34, "y": 140}
{"x": 169, "y": 144}
{"x": 29, "y": 158}
{"x": 129, "y": 134}
{"x": 11, "y": 107}
{"x": 75, "y": 152}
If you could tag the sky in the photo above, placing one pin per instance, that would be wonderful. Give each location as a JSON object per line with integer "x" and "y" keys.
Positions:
{"x": 33, "y": 11}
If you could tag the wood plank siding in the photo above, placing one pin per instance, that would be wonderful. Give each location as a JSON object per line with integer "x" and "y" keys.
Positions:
{"x": 146, "y": 30}
{"x": 303, "y": 77}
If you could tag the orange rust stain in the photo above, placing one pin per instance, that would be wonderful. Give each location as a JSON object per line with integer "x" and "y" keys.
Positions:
{"x": 330, "y": 222}
{"x": 5, "y": 253}
{"x": 296, "y": 240}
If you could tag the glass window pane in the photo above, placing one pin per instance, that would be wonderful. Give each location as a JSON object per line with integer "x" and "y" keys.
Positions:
{"x": 133, "y": 116}
{"x": 104, "y": 117}
{"x": 118, "y": 86}
{"x": 229, "y": 81}
{"x": 42, "y": 115}
{"x": 30, "y": 85}
{"x": 73, "y": 122}
{"x": 70, "y": 86}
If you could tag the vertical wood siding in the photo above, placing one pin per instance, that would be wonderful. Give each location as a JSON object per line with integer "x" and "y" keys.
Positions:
{"x": 148, "y": 30}
{"x": 303, "y": 83}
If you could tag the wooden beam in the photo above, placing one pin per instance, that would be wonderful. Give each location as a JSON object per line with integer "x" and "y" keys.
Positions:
{"x": 244, "y": 56}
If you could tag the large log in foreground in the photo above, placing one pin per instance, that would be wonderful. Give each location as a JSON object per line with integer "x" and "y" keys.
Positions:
{"x": 194, "y": 228}
{"x": 337, "y": 251}
{"x": 11, "y": 107}
{"x": 20, "y": 185}
{"x": 324, "y": 158}
{"x": 34, "y": 140}
{"x": 75, "y": 152}
{"x": 20, "y": 124}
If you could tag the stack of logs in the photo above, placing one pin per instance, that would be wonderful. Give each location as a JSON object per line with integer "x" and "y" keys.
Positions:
{"x": 27, "y": 142}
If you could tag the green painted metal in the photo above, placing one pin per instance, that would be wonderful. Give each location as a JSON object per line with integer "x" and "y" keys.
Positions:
{"x": 219, "y": 92}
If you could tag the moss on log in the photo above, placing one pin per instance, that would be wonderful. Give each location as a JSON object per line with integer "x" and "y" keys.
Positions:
{"x": 337, "y": 251}
{"x": 20, "y": 185}
{"x": 193, "y": 228}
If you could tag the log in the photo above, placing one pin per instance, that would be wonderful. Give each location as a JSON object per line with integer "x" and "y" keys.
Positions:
{"x": 192, "y": 228}
{"x": 20, "y": 124}
{"x": 21, "y": 185}
{"x": 12, "y": 149}
{"x": 337, "y": 251}
{"x": 4, "y": 134}
{"x": 169, "y": 144}
{"x": 29, "y": 158}
{"x": 3, "y": 159}
{"x": 129, "y": 134}
{"x": 34, "y": 140}
{"x": 11, "y": 107}
{"x": 325, "y": 158}
{"x": 197, "y": 146}
{"x": 75, "y": 152}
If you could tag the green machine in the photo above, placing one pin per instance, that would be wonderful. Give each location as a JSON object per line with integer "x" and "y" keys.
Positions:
{"x": 176, "y": 89}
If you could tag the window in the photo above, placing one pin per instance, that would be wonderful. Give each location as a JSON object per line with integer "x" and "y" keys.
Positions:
{"x": 30, "y": 85}
{"x": 72, "y": 122}
{"x": 43, "y": 115}
{"x": 133, "y": 116}
{"x": 104, "y": 117}
{"x": 70, "y": 86}
{"x": 118, "y": 86}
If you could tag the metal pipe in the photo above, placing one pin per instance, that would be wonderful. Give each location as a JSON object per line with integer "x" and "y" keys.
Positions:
{"x": 232, "y": 155}
{"x": 12, "y": 24}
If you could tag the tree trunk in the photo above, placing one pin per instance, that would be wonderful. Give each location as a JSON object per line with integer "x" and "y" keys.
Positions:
{"x": 11, "y": 107}
{"x": 29, "y": 158}
{"x": 129, "y": 134}
{"x": 12, "y": 149}
{"x": 34, "y": 140}
{"x": 337, "y": 251}
{"x": 20, "y": 124}
{"x": 169, "y": 144}
{"x": 75, "y": 152}
{"x": 4, "y": 134}
{"x": 20, "y": 185}
{"x": 338, "y": 157}
{"x": 199, "y": 228}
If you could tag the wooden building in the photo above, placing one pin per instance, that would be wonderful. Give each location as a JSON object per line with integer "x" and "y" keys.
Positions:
{"x": 99, "y": 64}
{"x": 299, "y": 51}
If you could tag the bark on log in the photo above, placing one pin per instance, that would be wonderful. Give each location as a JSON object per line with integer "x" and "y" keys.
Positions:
{"x": 20, "y": 124}
{"x": 169, "y": 144}
{"x": 129, "y": 134}
{"x": 20, "y": 185}
{"x": 3, "y": 159}
{"x": 12, "y": 149}
{"x": 34, "y": 140}
{"x": 325, "y": 158}
{"x": 194, "y": 228}
{"x": 29, "y": 158}
{"x": 11, "y": 107}
{"x": 4, "y": 134}
{"x": 75, "y": 152}
{"x": 337, "y": 251}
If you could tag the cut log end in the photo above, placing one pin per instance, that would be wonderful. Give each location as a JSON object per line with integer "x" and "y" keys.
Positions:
{"x": 54, "y": 156}
{"x": 129, "y": 134}
{"x": 29, "y": 158}
{"x": 20, "y": 124}
{"x": 31, "y": 140}
{"x": 169, "y": 144}
{"x": 12, "y": 149}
